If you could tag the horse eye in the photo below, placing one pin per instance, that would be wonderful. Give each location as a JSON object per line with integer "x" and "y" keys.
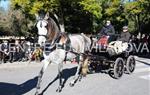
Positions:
{"x": 46, "y": 26}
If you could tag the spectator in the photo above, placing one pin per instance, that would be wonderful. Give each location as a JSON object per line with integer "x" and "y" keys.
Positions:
{"x": 11, "y": 54}
{"x": 5, "y": 48}
{"x": 17, "y": 50}
{"x": 1, "y": 53}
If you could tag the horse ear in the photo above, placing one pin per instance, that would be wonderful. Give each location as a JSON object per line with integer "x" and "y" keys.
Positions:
{"x": 37, "y": 16}
{"x": 46, "y": 16}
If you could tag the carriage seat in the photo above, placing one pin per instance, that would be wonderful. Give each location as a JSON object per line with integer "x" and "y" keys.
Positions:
{"x": 104, "y": 41}
{"x": 117, "y": 47}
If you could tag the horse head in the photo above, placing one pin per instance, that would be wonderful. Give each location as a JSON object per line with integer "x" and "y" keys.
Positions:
{"x": 47, "y": 29}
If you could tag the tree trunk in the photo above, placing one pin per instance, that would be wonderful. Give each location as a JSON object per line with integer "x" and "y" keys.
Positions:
{"x": 62, "y": 25}
{"x": 60, "y": 18}
{"x": 137, "y": 27}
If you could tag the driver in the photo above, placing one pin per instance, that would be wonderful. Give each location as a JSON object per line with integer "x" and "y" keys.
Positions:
{"x": 108, "y": 29}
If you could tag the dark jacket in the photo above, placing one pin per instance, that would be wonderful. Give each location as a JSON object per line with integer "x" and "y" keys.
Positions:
{"x": 124, "y": 37}
{"x": 3, "y": 47}
{"x": 107, "y": 30}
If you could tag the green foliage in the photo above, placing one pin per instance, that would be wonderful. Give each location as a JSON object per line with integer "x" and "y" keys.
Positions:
{"x": 133, "y": 8}
{"x": 112, "y": 7}
{"x": 93, "y": 7}
{"x": 78, "y": 15}
{"x": 76, "y": 19}
{"x": 113, "y": 10}
{"x": 33, "y": 6}
{"x": 12, "y": 23}
{"x": 138, "y": 12}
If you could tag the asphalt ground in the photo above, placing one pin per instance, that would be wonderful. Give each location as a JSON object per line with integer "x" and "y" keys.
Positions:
{"x": 20, "y": 78}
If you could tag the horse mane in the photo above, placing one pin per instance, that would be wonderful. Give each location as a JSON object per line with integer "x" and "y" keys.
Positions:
{"x": 51, "y": 15}
{"x": 53, "y": 30}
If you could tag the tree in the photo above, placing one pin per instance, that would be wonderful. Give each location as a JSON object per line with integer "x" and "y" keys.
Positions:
{"x": 138, "y": 12}
{"x": 113, "y": 10}
{"x": 91, "y": 8}
{"x": 88, "y": 15}
{"x": 95, "y": 9}
{"x": 12, "y": 23}
{"x": 32, "y": 7}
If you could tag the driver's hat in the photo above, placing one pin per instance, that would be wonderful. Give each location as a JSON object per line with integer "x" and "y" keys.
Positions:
{"x": 125, "y": 27}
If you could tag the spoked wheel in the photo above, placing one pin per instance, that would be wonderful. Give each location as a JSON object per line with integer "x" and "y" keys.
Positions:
{"x": 118, "y": 68}
{"x": 130, "y": 64}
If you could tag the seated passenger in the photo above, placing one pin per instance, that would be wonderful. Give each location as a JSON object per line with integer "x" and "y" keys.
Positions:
{"x": 125, "y": 35}
{"x": 122, "y": 42}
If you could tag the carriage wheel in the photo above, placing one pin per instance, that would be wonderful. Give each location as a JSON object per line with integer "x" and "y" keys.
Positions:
{"x": 130, "y": 64}
{"x": 118, "y": 68}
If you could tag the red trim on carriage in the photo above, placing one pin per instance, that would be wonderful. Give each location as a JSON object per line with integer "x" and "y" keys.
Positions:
{"x": 103, "y": 41}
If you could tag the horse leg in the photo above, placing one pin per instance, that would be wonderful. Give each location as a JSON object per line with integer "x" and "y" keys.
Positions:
{"x": 3, "y": 57}
{"x": 0, "y": 57}
{"x": 77, "y": 75}
{"x": 60, "y": 66}
{"x": 40, "y": 77}
{"x": 39, "y": 81}
{"x": 85, "y": 64}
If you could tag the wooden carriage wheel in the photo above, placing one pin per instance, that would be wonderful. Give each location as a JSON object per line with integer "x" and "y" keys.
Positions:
{"x": 130, "y": 64}
{"x": 118, "y": 68}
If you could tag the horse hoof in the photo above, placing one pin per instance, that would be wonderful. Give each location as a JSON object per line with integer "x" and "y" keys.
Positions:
{"x": 80, "y": 78}
{"x": 71, "y": 84}
{"x": 59, "y": 89}
{"x": 36, "y": 93}
{"x": 38, "y": 87}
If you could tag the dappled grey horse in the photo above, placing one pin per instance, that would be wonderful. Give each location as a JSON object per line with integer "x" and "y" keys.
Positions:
{"x": 48, "y": 31}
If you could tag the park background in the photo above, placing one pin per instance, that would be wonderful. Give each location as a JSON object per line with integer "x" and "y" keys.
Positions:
{"x": 17, "y": 17}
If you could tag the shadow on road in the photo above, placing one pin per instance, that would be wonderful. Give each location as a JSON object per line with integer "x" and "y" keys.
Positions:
{"x": 66, "y": 74}
{"x": 15, "y": 89}
{"x": 146, "y": 63}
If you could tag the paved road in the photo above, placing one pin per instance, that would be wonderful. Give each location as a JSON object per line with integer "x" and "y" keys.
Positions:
{"x": 20, "y": 79}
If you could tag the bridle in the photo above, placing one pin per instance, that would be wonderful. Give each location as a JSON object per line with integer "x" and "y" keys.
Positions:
{"x": 41, "y": 27}
{"x": 56, "y": 37}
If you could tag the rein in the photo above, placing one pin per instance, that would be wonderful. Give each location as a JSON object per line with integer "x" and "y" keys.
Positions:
{"x": 43, "y": 36}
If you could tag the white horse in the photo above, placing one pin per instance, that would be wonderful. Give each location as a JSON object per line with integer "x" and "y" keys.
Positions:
{"x": 77, "y": 44}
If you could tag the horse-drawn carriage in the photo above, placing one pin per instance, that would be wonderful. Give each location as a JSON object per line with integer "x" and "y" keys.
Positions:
{"x": 116, "y": 59}
{"x": 112, "y": 57}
